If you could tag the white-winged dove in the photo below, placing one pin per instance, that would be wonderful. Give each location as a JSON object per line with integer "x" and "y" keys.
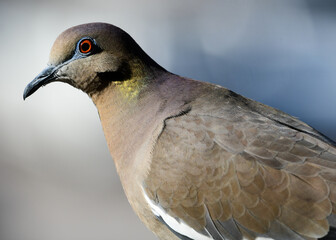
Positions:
{"x": 196, "y": 160}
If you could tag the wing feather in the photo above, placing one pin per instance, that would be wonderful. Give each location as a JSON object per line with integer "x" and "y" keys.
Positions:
{"x": 250, "y": 174}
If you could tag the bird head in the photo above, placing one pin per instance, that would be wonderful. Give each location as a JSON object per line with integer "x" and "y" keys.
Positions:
{"x": 92, "y": 56}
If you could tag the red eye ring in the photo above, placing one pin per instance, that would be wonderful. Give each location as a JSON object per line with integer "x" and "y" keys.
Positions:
{"x": 85, "y": 46}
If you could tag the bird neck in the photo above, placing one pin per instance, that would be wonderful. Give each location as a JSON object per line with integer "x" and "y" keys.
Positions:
{"x": 139, "y": 79}
{"x": 132, "y": 121}
{"x": 128, "y": 112}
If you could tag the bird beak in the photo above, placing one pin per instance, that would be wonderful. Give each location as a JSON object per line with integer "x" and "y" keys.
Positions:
{"x": 46, "y": 76}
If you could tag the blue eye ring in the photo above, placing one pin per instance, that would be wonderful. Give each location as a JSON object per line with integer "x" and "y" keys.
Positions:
{"x": 86, "y": 47}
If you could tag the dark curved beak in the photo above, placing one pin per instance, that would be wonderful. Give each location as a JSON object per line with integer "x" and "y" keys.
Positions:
{"x": 46, "y": 76}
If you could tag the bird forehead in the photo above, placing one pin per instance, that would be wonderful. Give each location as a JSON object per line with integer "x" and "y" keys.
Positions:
{"x": 65, "y": 44}
{"x": 63, "y": 47}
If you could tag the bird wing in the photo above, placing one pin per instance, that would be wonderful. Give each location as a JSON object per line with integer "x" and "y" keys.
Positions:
{"x": 240, "y": 173}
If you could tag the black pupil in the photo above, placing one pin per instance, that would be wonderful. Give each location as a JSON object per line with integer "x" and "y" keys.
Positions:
{"x": 85, "y": 47}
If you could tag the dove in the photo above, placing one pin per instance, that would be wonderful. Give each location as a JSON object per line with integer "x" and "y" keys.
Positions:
{"x": 196, "y": 160}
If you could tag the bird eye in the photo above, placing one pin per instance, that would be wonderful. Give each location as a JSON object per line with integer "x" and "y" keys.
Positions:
{"x": 85, "y": 46}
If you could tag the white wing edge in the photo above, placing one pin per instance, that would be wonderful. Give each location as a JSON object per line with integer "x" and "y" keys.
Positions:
{"x": 177, "y": 225}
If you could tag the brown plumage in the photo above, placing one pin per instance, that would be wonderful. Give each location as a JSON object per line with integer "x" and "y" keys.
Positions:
{"x": 196, "y": 160}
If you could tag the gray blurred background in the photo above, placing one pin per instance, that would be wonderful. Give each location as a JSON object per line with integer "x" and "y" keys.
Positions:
{"x": 57, "y": 179}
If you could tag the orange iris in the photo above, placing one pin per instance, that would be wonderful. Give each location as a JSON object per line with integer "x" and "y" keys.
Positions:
{"x": 85, "y": 46}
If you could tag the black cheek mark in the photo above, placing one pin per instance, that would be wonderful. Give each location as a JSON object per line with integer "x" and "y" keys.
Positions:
{"x": 122, "y": 74}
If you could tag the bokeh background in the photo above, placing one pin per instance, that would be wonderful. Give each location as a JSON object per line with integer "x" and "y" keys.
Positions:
{"x": 57, "y": 179}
